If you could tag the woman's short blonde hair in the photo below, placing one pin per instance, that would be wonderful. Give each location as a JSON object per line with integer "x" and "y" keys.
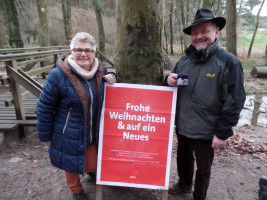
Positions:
{"x": 84, "y": 37}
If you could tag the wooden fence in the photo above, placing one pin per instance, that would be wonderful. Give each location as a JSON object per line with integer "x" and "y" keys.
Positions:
{"x": 20, "y": 66}
{"x": 21, "y": 70}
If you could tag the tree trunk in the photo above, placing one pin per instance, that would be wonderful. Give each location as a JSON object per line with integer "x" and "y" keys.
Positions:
{"x": 256, "y": 110}
{"x": 101, "y": 32}
{"x": 111, "y": 4}
{"x": 66, "y": 12}
{"x": 171, "y": 28}
{"x": 255, "y": 31}
{"x": 181, "y": 37}
{"x": 216, "y": 10}
{"x": 199, "y": 4}
{"x": 166, "y": 40}
{"x": 183, "y": 22}
{"x": 259, "y": 72}
{"x": 4, "y": 43}
{"x": 139, "y": 43}
{"x": 240, "y": 7}
{"x": 12, "y": 21}
{"x": 44, "y": 31}
{"x": 188, "y": 10}
{"x": 231, "y": 37}
{"x": 208, "y": 4}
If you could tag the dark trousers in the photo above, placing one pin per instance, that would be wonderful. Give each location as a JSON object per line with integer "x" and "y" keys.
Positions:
{"x": 188, "y": 151}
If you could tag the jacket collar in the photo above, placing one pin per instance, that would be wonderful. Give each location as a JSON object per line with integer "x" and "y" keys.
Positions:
{"x": 200, "y": 56}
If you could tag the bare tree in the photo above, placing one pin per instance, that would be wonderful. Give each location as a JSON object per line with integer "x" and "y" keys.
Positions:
{"x": 231, "y": 39}
{"x": 188, "y": 10}
{"x": 4, "y": 43}
{"x": 111, "y": 4}
{"x": 101, "y": 32}
{"x": 139, "y": 43}
{"x": 171, "y": 27}
{"x": 166, "y": 40}
{"x": 255, "y": 31}
{"x": 11, "y": 18}
{"x": 216, "y": 10}
{"x": 198, "y": 4}
{"x": 183, "y": 22}
{"x": 44, "y": 31}
{"x": 241, "y": 3}
{"x": 208, "y": 4}
{"x": 66, "y": 12}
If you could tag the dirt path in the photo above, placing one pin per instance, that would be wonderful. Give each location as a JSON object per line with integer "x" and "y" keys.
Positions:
{"x": 26, "y": 172}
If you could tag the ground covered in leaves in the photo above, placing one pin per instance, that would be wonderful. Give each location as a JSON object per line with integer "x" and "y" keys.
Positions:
{"x": 26, "y": 172}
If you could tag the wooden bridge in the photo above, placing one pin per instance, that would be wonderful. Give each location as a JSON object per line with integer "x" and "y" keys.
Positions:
{"x": 25, "y": 71}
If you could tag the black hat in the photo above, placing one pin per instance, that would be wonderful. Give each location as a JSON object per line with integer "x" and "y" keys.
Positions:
{"x": 205, "y": 15}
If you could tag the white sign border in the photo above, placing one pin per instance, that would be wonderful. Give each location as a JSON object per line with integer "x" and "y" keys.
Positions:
{"x": 125, "y": 85}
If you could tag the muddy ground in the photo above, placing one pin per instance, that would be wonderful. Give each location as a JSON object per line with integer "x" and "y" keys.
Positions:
{"x": 26, "y": 173}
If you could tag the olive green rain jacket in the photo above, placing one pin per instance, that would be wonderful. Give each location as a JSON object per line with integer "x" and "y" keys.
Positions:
{"x": 215, "y": 95}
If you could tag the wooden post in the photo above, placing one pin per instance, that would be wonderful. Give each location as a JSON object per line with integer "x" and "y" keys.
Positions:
{"x": 17, "y": 98}
{"x": 43, "y": 74}
{"x": 266, "y": 55}
{"x": 55, "y": 60}
{"x": 164, "y": 195}
{"x": 98, "y": 195}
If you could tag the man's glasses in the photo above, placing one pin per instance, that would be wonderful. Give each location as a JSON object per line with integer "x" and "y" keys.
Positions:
{"x": 79, "y": 51}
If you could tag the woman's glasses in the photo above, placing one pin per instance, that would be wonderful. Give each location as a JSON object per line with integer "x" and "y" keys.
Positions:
{"x": 79, "y": 51}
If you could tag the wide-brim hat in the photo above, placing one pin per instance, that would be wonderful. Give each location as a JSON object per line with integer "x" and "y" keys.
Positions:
{"x": 205, "y": 15}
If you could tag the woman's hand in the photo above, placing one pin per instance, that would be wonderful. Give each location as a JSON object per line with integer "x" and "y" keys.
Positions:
{"x": 46, "y": 143}
{"x": 110, "y": 78}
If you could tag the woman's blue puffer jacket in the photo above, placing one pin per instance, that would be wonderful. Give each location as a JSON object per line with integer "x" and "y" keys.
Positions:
{"x": 61, "y": 117}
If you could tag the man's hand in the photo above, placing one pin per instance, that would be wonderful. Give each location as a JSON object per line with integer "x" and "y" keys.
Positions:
{"x": 218, "y": 143}
{"x": 172, "y": 80}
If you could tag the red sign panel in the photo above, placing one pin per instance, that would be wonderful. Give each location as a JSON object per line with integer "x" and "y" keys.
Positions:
{"x": 136, "y": 136}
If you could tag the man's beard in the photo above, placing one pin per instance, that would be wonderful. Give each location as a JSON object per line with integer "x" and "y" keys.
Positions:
{"x": 202, "y": 47}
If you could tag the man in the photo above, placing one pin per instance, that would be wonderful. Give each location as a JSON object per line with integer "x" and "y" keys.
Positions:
{"x": 209, "y": 106}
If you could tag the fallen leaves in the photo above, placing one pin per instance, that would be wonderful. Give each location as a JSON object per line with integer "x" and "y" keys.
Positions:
{"x": 246, "y": 143}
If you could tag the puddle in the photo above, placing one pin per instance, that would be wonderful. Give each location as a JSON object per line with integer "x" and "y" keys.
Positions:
{"x": 254, "y": 111}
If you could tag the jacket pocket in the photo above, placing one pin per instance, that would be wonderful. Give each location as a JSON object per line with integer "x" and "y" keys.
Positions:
{"x": 66, "y": 122}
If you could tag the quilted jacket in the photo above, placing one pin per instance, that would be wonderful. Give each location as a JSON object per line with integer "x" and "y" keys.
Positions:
{"x": 68, "y": 115}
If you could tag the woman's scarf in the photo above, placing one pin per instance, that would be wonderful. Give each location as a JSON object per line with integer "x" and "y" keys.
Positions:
{"x": 82, "y": 72}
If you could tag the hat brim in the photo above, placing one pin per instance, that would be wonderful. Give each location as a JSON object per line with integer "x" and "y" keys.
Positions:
{"x": 220, "y": 22}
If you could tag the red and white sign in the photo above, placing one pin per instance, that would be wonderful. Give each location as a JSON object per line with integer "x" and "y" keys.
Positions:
{"x": 136, "y": 132}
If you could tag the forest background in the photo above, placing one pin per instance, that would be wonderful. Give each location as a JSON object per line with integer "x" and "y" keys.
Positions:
{"x": 236, "y": 169}
{"x": 54, "y": 22}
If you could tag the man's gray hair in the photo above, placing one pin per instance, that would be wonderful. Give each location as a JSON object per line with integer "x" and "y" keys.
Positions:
{"x": 84, "y": 37}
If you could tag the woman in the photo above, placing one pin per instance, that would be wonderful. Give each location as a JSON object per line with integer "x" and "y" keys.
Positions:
{"x": 68, "y": 110}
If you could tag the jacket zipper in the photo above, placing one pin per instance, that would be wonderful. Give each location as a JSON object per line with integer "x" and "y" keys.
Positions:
{"x": 91, "y": 106}
{"x": 91, "y": 110}
{"x": 66, "y": 122}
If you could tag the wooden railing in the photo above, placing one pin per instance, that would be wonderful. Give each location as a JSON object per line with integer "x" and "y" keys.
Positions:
{"x": 31, "y": 49}
{"x": 19, "y": 70}
{"x": 17, "y": 77}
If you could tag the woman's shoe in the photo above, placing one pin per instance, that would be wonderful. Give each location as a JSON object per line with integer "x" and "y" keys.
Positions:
{"x": 81, "y": 196}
